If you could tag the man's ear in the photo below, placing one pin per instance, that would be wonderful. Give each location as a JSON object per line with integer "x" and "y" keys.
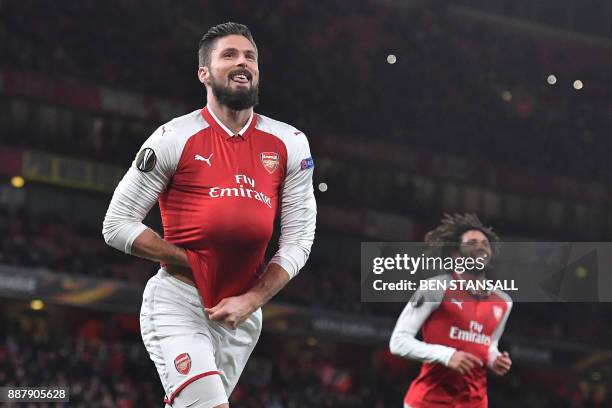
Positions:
{"x": 204, "y": 75}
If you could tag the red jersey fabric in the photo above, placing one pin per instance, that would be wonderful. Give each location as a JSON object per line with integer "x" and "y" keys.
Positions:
{"x": 224, "y": 212}
{"x": 465, "y": 323}
{"x": 219, "y": 194}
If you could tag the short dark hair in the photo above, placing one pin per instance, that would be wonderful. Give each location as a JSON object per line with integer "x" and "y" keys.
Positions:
{"x": 446, "y": 237}
{"x": 219, "y": 31}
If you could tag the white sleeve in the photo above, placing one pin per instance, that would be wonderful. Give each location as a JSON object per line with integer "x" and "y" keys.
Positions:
{"x": 493, "y": 350}
{"x": 298, "y": 208}
{"x": 139, "y": 189}
{"x": 403, "y": 342}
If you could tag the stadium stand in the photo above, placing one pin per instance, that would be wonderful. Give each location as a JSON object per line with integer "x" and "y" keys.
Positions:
{"x": 478, "y": 129}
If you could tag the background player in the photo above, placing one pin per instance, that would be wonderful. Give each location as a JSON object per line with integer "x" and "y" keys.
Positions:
{"x": 460, "y": 329}
{"x": 220, "y": 174}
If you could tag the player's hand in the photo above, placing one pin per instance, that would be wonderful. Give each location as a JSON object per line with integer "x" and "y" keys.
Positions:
{"x": 232, "y": 311}
{"x": 502, "y": 364}
{"x": 463, "y": 362}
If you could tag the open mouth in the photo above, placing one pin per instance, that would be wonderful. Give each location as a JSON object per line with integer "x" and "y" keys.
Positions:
{"x": 241, "y": 77}
{"x": 480, "y": 253}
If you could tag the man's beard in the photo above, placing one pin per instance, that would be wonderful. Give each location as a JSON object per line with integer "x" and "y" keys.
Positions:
{"x": 235, "y": 99}
{"x": 484, "y": 256}
{"x": 479, "y": 272}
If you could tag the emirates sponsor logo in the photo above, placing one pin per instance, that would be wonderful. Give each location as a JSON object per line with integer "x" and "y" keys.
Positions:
{"x": 245, "y": 189}
{"x": 469, "y": 336}
{"x": 474, "y": 335}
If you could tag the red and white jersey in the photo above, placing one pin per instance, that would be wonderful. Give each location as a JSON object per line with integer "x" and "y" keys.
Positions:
{"x": 450, "y": 320}
{"x": 219, "y": 194}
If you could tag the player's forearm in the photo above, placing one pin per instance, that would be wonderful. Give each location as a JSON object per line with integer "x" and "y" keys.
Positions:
{"x": 409, "y": 347}
{"x": 493, "y": 354}
{"x": 270, "y": 283}
{"x": 151, "y": 246}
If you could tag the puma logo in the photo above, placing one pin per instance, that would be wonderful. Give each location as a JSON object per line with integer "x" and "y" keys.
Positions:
{"x": 458, "y": 303}
{"x": 204, "y": 159}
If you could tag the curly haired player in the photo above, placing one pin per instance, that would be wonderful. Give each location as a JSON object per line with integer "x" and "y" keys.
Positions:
{"x": 461, "y": 329}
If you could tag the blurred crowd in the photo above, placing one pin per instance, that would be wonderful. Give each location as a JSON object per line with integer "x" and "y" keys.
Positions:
{"x": 105, "y": 366}
{"x": 50, "y": 242}
{"x": 458, "y": 85}
{"x": 98, "y": 373}
{"x": 102, "y": 370}
{"x": 63, "y": 245}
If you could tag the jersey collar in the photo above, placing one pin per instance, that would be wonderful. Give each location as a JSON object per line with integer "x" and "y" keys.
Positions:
{"x": 475, "y": 293}
{"x": 214, "y": 121}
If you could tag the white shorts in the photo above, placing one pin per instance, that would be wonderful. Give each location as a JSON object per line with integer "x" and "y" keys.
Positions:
{"x": 185, "y": 345}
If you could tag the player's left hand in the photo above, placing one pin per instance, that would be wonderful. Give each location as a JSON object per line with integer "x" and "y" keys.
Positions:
{"x": 502, "y": 364}
{"x": 232, "y": 311}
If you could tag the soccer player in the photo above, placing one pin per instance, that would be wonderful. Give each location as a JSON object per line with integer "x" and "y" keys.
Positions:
{"x": 460, "y": 329}
{"x": 220, "y": 175}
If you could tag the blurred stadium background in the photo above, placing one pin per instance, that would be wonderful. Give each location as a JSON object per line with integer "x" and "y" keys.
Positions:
{"x": 412, "y": 108}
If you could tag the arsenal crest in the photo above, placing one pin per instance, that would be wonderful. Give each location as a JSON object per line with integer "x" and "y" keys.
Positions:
{"x": 270, "y": 161}
{"x": 497, "y": 312}
{"x": 182, "y": 363}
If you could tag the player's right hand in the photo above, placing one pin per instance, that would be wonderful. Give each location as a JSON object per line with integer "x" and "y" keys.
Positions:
{"x": 502, "y": 364}
{"x": 232, "y": 311}
{"x": 463, "y": 362}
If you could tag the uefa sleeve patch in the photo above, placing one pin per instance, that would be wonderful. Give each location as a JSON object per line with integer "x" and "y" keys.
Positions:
{"x": 146, "y": 160}
{"x": 307, "y": 163}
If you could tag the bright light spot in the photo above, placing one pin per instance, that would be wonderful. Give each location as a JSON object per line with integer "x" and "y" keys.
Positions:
{"x": 37, "y": 304}
{"x": 581, "y": 272}
{"x": 391, "y": 59}
{"x": 17, "y": 182}
{"x": 507, "y": 96}
{"x": 551, "y": 79}
{"x": 322, "y": 187}
{"x": 311, "y": 341}
{"x": 578, "y": 84}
